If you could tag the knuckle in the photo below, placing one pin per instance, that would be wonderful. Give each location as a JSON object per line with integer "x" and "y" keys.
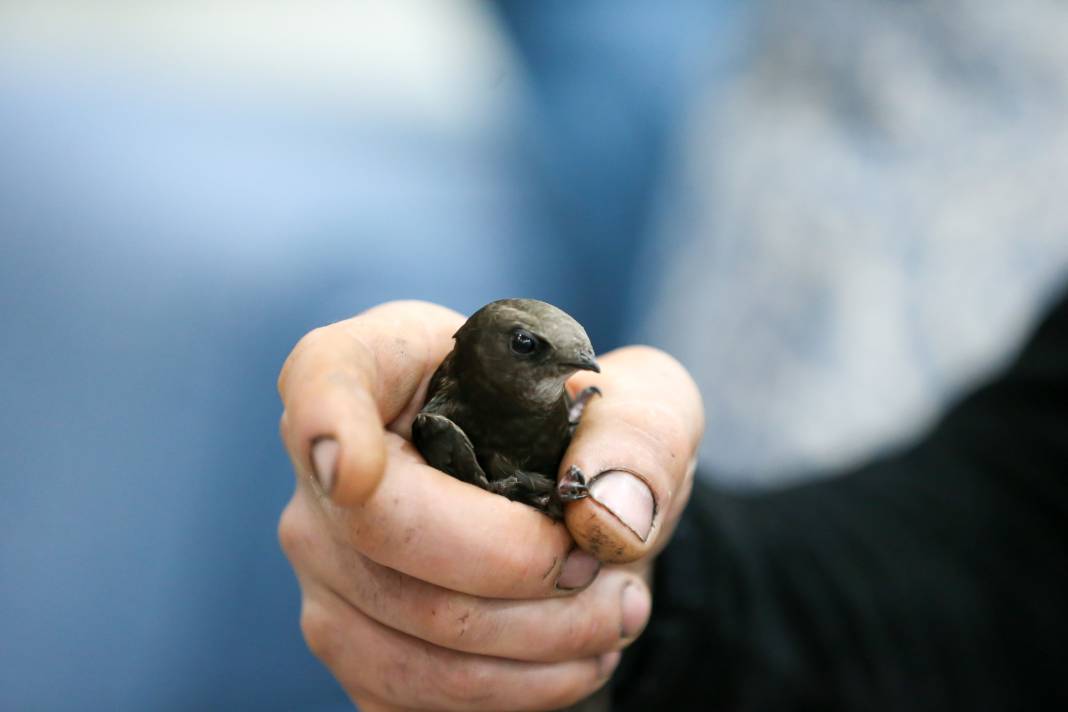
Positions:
{"x": 459, "y": 624}
{"x": 320, "y": 633}
{"x": 469, "y": 628}
{"x": 661, "y": 430}
{"x": 662, "y": 369}
{"x": 529, "y": 570}
{"x": 309, "y": 340}
{"x": 303, "y": 345}
{"x": 588, "y": 635}
{"x": 293, "y": 531}
{"x": 674, "y": 431}
{"x": 283, "y": 427}
{"x": 658, "y": 359}
{"x": 537, "y": 570}
{"x": 646, "y": 352}
{"x": 466, "y": 682}
{"x": 522, "y": 561}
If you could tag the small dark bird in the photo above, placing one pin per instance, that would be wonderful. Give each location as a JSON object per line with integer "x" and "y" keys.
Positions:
{"x": 497, "y": 414}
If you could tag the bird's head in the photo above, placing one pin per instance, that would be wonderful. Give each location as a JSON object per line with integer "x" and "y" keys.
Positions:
{"x": 524, "y": 348}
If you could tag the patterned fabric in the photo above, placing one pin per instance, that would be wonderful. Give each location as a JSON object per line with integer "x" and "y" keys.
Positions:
{"x": 870, "y": 214}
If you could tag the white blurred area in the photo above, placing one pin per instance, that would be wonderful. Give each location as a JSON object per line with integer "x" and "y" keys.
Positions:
{"x": 321, "y": 141}
{"x": 442, "y": 64}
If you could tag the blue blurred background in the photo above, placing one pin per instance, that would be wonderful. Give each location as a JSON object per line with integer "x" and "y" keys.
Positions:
{"x": 837, "y": 216}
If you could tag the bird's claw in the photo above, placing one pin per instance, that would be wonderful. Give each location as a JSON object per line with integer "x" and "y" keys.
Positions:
{"x": 572, "y": 486}
{"x": 508, "y": 487}
{"x": 574, "y": 413}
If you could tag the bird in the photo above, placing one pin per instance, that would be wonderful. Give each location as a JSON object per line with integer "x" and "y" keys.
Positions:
{"x": 497, "y": 413}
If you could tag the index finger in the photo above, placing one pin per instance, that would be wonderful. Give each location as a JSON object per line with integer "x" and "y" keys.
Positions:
{"x": 342, "y": 382}
{"x": 635, "y": 447}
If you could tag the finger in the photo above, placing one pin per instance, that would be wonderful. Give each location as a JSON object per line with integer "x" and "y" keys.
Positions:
{"x": 606, "y": 616}
{"x": 636, "y": 446}
{"x": 436, "y": 528}
{"x": 342, "y": 382}
{"x": 369, "y": 659}
{"x": 370, "y": 704}
{"x": 364, "y": 704}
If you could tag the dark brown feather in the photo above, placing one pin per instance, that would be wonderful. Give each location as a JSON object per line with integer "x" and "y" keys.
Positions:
{"x": 500, "y": 419}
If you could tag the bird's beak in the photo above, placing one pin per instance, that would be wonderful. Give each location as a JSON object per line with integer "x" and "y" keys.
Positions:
{"x": 585, "y": 362}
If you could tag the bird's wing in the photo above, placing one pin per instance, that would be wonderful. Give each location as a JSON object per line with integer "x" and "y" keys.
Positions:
{"x": 445, "y": 446}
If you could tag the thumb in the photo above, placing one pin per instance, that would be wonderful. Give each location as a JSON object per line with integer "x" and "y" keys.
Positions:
{"x": 635, "y": 449}
{"x": 343, "y": 382}
{"x": 331, "y": 424}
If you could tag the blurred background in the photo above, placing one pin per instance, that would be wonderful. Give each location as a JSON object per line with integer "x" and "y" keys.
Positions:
{"x": 838, "y": 216}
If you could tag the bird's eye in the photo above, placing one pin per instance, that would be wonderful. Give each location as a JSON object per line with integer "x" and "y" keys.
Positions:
{"x": 524, "y": 342}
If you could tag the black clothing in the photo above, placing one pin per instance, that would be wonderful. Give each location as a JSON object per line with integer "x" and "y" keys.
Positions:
{"x": 935, "y": 578}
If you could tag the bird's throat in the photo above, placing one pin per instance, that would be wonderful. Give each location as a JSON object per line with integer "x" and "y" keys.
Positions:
{"x": 545, "y": 393}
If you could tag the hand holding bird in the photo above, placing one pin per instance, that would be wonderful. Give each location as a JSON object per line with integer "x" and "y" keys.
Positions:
{"x": 497, "y": 413}
{"x": 420, "y": 591}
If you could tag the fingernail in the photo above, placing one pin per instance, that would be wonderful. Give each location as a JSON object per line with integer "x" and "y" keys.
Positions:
{"x": 324, "y": 462}
{"x": 636, "y": 605}
{"x": 578, "y": 571}
{"x": 628, "y": 497}
{"x": 606, "y": 664}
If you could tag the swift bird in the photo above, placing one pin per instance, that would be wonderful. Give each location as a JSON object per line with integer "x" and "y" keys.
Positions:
{"x": 497, "y": 414}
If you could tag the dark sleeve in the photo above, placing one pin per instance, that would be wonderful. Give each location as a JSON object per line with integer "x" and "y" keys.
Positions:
{"x": 936, "y": 578}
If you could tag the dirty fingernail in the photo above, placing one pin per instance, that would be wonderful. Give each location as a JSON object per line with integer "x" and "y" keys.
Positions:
{"x": 606, "y": 664}
{"x": 324, "y": 462}
{"x": 578, "y": 571}
{"x": 636, "y": 605}
{"x": 628, "y": 497}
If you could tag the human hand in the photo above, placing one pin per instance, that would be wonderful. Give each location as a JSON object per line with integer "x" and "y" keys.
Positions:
{"x": 420, "y": 591}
